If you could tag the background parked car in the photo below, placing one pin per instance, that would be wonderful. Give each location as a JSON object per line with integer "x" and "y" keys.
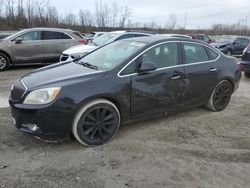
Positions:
{"x": 93, "y": 35}
{"x": 81, "y": 50}
{"x": 2, "y": 36}
{"x": 202, "y": 37}
{"x": 245, "y": 63}
{"x": 37, "y": 45}
{"x": 232, "y": 47}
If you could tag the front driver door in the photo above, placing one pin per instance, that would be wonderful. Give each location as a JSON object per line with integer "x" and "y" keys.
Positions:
{"x": 159, "y": 90}
{"x": 29, "y": 50}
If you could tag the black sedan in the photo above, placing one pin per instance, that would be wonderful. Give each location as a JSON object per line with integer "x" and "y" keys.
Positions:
{"x": 232, "y": 46}
{"x": 245, "y": 63}
{"x": 127, "y": 80}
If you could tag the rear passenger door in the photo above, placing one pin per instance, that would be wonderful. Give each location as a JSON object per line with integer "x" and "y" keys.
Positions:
{"x": 54, "y": 43}
{"x": 201, "y": 72}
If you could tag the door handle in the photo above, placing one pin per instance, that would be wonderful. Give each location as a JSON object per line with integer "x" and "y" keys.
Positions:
{"x": 212, "y": 70}
{"x": 175, "y": 77}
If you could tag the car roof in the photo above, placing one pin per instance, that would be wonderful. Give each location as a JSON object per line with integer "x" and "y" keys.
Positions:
{"x": 175, "y": 35}
{"x": 157, "y": 39}
{"x": 49, "y": 29}
{"x": 131, "y": 32}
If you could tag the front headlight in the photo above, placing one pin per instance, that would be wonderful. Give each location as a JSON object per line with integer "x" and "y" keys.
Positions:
{"x": 42, "y": 96}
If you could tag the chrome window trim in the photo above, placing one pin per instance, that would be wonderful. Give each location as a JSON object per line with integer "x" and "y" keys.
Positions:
{"x": 182, "y": 65}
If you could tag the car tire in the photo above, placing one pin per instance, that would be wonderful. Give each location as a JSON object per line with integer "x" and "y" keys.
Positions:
{"x": 4, "y": 62}
{"x": 96, "y": 122}
{"x": 247, "y": 75}
{"x": 220, "y": 97}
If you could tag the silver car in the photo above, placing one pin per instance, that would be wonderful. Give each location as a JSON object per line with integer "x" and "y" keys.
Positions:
{"x": 36, "y": 45}
{"x": 78, "y": 51}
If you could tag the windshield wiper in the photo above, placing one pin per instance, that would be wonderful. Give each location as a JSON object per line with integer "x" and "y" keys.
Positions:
{"x": 88, "y": 65}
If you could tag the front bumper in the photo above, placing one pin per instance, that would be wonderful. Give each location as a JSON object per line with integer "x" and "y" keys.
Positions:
{"x": 49, "y": 123}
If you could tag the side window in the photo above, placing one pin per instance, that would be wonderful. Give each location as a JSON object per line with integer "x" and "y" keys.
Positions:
{"x": 194, "y": 53}
{"x": 33, "y": 35}
{"x": 52, "y": 35}
{"x": 130, "y": 69}
{"x": 237, "y": 41}
{"x": 244, "y": 42}
{"x": 212, "y": 54}
{"x": 165, "y": 55}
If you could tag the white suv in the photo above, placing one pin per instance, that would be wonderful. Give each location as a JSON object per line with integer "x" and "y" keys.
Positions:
{"x": 78, "y": 51}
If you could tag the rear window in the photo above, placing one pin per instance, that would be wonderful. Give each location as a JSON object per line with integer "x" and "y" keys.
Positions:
{"x": 212, "y": 54}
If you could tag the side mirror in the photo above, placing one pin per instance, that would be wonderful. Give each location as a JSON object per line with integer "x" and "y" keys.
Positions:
{"x": 18, "y": 40}
{"x": 146, "y": 67}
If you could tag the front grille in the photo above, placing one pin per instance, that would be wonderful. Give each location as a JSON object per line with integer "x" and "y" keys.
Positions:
{"x": 17, "y": 91}
{"x": 64, "y": 57}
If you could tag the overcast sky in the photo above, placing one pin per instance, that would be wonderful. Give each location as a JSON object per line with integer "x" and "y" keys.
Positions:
{"x": 200, "y": 13}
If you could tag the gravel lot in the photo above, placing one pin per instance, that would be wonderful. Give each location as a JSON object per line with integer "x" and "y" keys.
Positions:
{"x": 197, "y": 148}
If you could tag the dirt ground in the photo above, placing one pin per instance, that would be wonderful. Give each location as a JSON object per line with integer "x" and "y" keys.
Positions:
{"x": 197, "y": 148}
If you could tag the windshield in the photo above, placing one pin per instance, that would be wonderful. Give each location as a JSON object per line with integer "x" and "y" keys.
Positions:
{"x": 112, "y": 55}
{"x": 13, "y": 35}
{"x": 103, "y": 39}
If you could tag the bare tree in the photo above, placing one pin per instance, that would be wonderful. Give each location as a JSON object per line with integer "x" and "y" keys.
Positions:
{"x": 70, "y": 19}
{"x": 41, "y": 6}
{"x": 114, "y": 11}
{"x": 85, "y": 18}
{"x": 1, "y": 7}
{"x": 52, "y": 16}
{"x": 172, "y": 21}
{"x": 30, "y": 6}
{"x": 102, "y": 14}
{"x": 125, "y": 15}
{"x": 10, "y": 13}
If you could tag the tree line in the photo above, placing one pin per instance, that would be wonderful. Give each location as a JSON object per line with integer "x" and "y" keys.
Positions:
{"x": 20, "y": 14}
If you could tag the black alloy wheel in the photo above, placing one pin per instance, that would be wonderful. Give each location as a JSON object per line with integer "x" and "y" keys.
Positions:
{"x": 222, "y": 95}
{"x": 98, "y": 124}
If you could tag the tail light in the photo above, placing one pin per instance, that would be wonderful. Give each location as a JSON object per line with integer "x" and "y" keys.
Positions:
{"x": 83, "y": 41}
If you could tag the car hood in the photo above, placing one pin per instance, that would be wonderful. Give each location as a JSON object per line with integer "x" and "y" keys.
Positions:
{"x": 59, "y": 74}
{"x": 80, "y": 49}
{"x": 219, "y": 44}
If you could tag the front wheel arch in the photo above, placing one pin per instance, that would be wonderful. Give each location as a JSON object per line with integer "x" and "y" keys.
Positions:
{"x": 83, "y": 109}
{"x": 5, "y": 53}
